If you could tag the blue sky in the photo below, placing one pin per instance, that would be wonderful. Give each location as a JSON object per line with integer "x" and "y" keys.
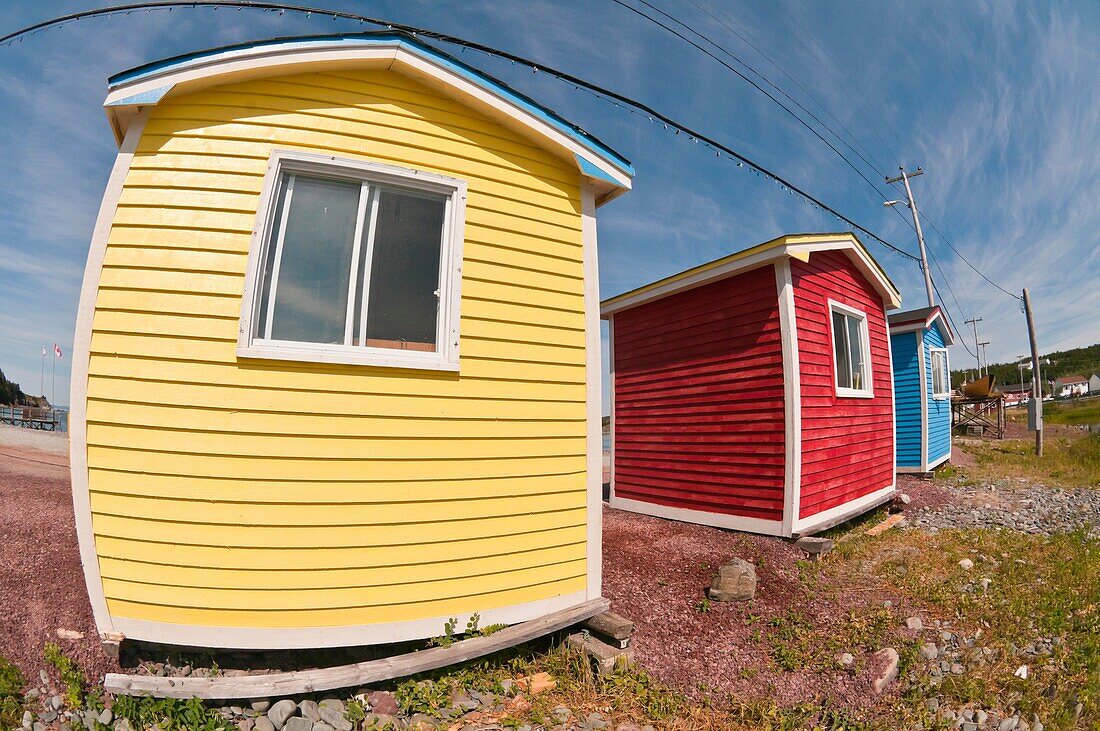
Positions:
{"x": 998, "y": 101}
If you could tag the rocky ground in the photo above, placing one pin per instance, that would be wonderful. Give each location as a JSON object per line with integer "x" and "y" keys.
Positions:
{"x": 1014, "y": 505}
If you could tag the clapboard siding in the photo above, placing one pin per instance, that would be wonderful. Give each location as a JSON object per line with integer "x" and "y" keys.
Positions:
{"x": 232, "y": 492}
{"x": 907, "y": 385}
{"x": 939, "y": 409}
{"x": 699, "y": 399}
{"x": 847, "y": 443}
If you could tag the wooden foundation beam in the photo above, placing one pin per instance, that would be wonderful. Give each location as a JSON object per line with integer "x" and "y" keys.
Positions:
{"x": 277, "y": 685}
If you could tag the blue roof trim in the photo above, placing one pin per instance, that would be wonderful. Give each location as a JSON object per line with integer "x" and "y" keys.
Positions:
{"x": 145, "y": 97}
{"x": 409, "y": 43}
{"x": 594, "y": 172}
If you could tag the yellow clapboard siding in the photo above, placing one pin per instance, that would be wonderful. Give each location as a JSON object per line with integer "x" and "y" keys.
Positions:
{"x": 295, "y": 536}
{"x": 319, "y": 598}
{"x": 473, "y": 363}
{"x": 555, "y": 284}
{"x": 183, "y": 303}
{"x": 175, "y": 487}
{"x": 443, "y": 446}
{"x": 233, "y": 467}
{"x": 173, "y": 280}
{"x": 280, "y": 578}
{"x": 203, "y": 326}
{"x": 357, "y": 514}
{"x": 312, "y": 561}
{"x": 350, "y": 99}
{"x": 203, "y": 261}
{"x": 182, "y": 238}
{"x": 258, "y": 142}
{"x": 222, "y": 386}
{"x": 220, "y": 418}
{"x": 259, "y": 617}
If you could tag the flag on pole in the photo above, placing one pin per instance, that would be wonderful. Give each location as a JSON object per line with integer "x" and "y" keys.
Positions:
{"x": 43, "y": 351}
{"x": 56, "y": 350}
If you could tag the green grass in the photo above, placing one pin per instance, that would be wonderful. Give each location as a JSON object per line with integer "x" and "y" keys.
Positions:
{"x": 11, "y": 694}
{"x": 1072, "y": 412}
{"x": 1041, "y": 587}
{"x": 1066, "y": 461}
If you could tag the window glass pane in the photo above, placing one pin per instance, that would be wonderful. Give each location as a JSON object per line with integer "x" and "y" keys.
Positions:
{"x": 939, "y": 373}
{"x": 311, "y": 294}
{"x": 855, "y": 347}
{"x": 269, "y": 264}
{"x": 402, "y": 307}
{"x": 840, "y": 351}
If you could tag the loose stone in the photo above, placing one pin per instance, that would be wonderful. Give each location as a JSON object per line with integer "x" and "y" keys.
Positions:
{"x": 846, "y": 659}
{"x": 335, "y": 718}
{"x": 382, "y": 703}
{"x": 297, "y": 723}
{"x": 887, "y": 659}
{"x": 281, "y": 711}
{"x": 914, "y": 623}
{"x": 261, "y": 706}
{"x": 929, "y": 651}
{"x": 967, "y": 564}
{"x": 310, "y": 710}
{"x": 263, "y": 723}
{"x": 735, "y": 581}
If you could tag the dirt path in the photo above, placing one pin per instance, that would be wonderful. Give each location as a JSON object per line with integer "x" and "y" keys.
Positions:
{"x": 42, "y": 583}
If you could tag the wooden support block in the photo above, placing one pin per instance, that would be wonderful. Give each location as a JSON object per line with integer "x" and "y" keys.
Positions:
{"x": 611, "y": 628}
{"x": 604, "y": 657}
{"x": 886, "y": 524}
{"x": 112, "y": 643}
{"x": 278, "y": 685}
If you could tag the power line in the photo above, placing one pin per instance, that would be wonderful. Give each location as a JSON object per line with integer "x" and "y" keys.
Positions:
{"x": 755, "y": 85}
{"x": 614, "y": 97}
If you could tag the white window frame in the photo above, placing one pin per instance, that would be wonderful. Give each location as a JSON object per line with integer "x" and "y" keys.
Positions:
{"x": 446, "y": 355}
{"x": 946, "y": 373}
{"x": 865, "y": 336}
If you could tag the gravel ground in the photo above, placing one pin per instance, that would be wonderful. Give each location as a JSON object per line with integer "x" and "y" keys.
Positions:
{"x": 42, "y": 584}
{"x": 655, "y": 572}
{"x": 1015, "y": 505}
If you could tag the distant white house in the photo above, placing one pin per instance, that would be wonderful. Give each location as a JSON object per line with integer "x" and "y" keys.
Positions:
{"x": 1070, "y": 386}
{"x": 1094, "y": 383}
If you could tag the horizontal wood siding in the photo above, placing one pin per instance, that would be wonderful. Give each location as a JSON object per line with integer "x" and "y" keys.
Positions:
{"x": 847, "y": 443}
{"x": 907, "y": 385}
{"x": 237, "y": 492}
{"x": 939, "y": 409}
{"x": 699, "y": 399}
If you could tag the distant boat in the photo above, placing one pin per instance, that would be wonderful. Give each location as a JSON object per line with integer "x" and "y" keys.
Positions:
{"x": 980, "y": 387}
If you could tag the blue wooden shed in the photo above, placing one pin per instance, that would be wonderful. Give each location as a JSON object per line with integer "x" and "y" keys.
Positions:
{"x": 922, "y": 386}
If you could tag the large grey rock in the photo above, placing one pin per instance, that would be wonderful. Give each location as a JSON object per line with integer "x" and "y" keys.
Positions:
{"x": 334, "y": 703}
{"x": 297, "y": 723}
{"x": 886, "y": 668}
{"x": 310, "y": 710}
{"x": 335, "y": 718}
{"x": 263, "y": 723}
{"x": 735, "y": 582}
{"x": 280, "y": 712}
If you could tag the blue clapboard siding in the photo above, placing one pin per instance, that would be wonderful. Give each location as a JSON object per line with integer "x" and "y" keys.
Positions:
{"x": 939, "y": 410}
{"x": 907, "y": 398}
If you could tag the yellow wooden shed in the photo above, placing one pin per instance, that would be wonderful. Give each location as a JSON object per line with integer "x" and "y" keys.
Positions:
{"x": 336, "y": 376}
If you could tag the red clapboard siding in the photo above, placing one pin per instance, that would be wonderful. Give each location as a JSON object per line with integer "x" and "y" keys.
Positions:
{"x": 699, "y": 399}
{"x": 847, "y": 443}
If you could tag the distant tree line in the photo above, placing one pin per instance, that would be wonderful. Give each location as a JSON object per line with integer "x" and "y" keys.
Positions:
{"x": 1078, "y": 361}
{"x": 11, "y": 394}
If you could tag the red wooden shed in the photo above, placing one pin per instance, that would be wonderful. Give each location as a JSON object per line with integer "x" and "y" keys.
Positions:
{"x": 755, "y": 392}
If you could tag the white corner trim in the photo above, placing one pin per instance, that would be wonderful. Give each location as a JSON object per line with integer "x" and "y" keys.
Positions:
{"x": 702, "y": 517}
{"x": 792, "y": 396}
{"x": 844, "y": 511}
{"x": 924, "y": 386}
{"x": 78, "y": 386}
{"x": 593, "y": 371}
{"x": 893, "y": 399}
{"x": 284, "y": 638}
{"x": 611, "y": 405}
{"x": 368, "y": 173}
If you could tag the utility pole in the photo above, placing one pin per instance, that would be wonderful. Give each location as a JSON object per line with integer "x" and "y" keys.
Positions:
{"x": 1035, "y": 408}
{"x": 977, "y": 347}
{"x": 985, "y": 358}
{"x": 904, "y": 178}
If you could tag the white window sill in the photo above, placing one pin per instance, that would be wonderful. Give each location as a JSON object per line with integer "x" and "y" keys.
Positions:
{"x": 853, "y": 393}
{"x": 941, "y": 396}
{"x": 373, "y": 357}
